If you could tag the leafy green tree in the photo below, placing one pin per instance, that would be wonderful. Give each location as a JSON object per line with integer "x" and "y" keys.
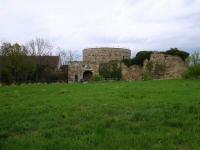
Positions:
{"x": 193, "y": 71}
{"x": 141, "y": 57}
{"x": 138, "y": 59}
{"x": 16, "y": 67}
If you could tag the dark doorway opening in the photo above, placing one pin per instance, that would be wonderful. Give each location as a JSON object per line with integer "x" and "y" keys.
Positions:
{"x": 87, "y": 76}
{"x": 76, "y": 78}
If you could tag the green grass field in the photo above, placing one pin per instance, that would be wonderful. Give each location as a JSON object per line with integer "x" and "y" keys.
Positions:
{"x": 103, "y": 116}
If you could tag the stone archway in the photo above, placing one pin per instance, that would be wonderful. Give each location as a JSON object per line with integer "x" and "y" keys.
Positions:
{"x": 87, "y": 75}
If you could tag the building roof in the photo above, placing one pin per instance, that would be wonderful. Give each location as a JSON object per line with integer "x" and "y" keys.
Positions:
{"x": 53, "y": 61}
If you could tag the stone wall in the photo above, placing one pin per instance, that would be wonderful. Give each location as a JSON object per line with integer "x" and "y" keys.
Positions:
{"x": 78, "y": 69}
{"x": 131, "y": 73}
{"x": 160, "y": 66}
{"x": 175, "y": 67}
{"x": 104, "y": 55}
{"x": 165, "y": 66}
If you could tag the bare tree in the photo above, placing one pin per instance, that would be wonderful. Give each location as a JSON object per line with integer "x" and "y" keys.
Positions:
{"x": 67, "y": 56}
{"x": 195, "y": 58}
{"x": 71, "y": 56}
{"x": 63, "y": 56}
{"x": 2, "y": 44}
{"x": 39, "y": 47}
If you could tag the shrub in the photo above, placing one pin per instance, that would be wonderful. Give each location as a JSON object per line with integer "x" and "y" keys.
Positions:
{"x": 193, "y": 72}
{"x": 127, "y": 62}
{"x": 97, "y": 78}
{"x": 177, "y": 52}
{"x": 148, "y": 71}
{"x": 111, "y": 70}
{"x": 6, "y": 76}
{"x": 195, "y": 58}
{"x": 141, "y": 57}
{"x": 149, "y": 66}
{"x": 147, "y": 76}
{"x": 138, "y": 59}
{"x": 52, "y": 77}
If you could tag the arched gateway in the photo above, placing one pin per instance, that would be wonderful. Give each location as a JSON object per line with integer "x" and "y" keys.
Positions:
{"x": 92, "y": 58}
{"x": 87, "y": 75}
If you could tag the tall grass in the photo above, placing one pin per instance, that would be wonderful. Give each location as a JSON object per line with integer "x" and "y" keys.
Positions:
{"x": 150, "y": 115}
{"x": 193, "y": 72}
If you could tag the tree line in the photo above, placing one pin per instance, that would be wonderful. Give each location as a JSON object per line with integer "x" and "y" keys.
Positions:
{"x": 24, "y": 63}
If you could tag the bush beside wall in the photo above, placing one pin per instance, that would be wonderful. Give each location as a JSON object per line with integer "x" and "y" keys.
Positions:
{"x": 193, "y": 72}
{"x": 111, "y": 70}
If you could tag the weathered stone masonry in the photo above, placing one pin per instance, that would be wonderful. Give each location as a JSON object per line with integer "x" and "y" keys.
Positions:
{"x": 167, "y": 66}
{"x": 76, "y": 70}
{"x": 162, "y": 66}
{"x": 104, "y": 55}
{"x": 92, "y": 58}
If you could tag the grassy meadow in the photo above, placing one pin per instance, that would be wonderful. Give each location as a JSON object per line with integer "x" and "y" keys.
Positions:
{"x": 144, "y": 115}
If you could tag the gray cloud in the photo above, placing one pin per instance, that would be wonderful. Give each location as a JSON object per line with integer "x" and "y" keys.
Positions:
{"x": 76, "y": 24}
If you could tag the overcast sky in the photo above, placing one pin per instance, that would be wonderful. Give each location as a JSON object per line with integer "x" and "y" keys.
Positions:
{"x": 79, "y": 24}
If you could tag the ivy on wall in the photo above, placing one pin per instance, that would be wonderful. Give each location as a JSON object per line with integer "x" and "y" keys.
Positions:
{"x": 111, "y": 70}
{"x": 145, "y": 55}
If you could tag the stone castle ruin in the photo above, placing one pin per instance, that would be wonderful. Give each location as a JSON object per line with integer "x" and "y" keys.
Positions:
{"x": 92, "y": 58}
{"x": 160, "y": 66}
{"x": 105, "y": 55}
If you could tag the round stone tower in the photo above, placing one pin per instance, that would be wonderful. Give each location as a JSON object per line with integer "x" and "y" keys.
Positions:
{"x": 104, "y": 55}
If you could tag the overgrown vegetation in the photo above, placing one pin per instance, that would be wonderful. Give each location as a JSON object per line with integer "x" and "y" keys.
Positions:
{"x": 127, "y": 62}
{"x": 176, "y": 52}
{"x": 195, "y": 58}
{"x": 97, "y": 78}
{"x": 105, "y": 116}
{"x": 149, "y": 66}
{"x": 138, "y": 59}
{"x": 193, "y": 72}
{"x": 111, "y": 70}
{"x": 194, "y": 68}
{"x": 141, "y": 57}
{"x": 25, "y": 64}
{"x": 145, "y": 55}
{"x": 147, "y": 75}
{"x": 15, "y": 65}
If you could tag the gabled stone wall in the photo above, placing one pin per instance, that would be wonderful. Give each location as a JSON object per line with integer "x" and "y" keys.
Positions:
{"x": 165, "y": 66}
{"x": 134, "y": 72}
{"x": 160, "y": 66}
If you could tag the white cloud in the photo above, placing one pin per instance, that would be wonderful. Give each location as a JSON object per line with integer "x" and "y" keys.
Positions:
{"x": 76, "y": 24}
